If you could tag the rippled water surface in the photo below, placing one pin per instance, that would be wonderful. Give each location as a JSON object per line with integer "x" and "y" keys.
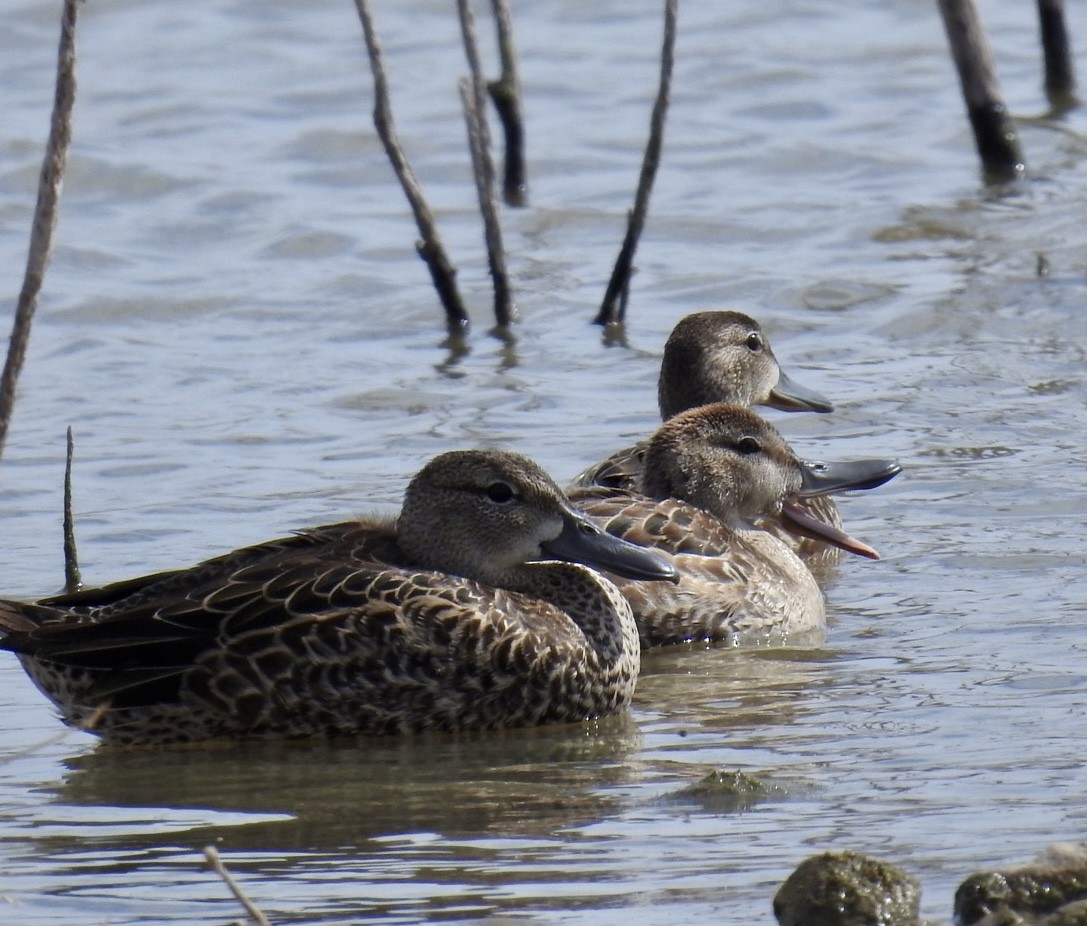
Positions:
{"x": 237, "y": 328}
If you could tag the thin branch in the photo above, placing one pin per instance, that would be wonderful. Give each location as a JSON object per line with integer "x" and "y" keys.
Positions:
{"x": 613, "y": 308}
{"x": 45, "y": 214}
{"x": 994, "y": 132}
{"x": 504, "y": 311}
{"x": 254, "y": 912}
{"x": 36, "y": 748}
{"x": 1060, "y": 78}
{"x": 506, "y": 94}
{"x": 430, "y": 248}
{"x": 72, "y": 579}
{"x": 473, "y": 94}
{"x": 478, "y": 86}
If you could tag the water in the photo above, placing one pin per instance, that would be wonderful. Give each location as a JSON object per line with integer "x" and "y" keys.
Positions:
{"x": 238, "y": 330}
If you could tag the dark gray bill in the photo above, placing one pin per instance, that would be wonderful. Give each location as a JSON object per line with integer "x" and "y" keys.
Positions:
{"x": 582, "y": 541}
{"x": 788, "y": 396}
{"x": 829, "y": 478}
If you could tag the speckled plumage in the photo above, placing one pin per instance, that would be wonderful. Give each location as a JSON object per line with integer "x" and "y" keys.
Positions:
{"x": 722, "y": 356}
{"x": 440, "y": 621}
{"x": 709, "y": 474}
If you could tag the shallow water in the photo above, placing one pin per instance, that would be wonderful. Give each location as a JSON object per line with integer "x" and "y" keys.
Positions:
{"x": 238, "y": 330}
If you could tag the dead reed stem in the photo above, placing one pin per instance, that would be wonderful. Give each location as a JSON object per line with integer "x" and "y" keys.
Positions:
{"x": 506, "y": 94}
{"x": 613, "y": 308}
{"x": 45, "y": 214}
{"x": 994, "y": 132}
{"x": 473, "y": 93}
{"x": 430, "y": 247}
{"x": 1060, "y": 78}
{"x": 254, "y": 912}
{"x": 72, "y": 579}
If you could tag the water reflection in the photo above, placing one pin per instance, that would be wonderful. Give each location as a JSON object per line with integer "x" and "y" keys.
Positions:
{"x": 730, "y": 691}
{"x": 328, "y": 794}
{"x": 325, "y": 795}
{"x": 614, "y": 335}
{"x": 457, "y": 345}
{"x": 508, "y": 350}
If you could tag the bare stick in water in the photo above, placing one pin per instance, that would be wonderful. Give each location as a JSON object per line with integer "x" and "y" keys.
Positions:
{"x": 254, "y": 912}
{"x": 72, "y": 579}
{"x": 430, "y": 248}
{"x": 45, "y": 214}
{"x": 1060, "y": 78}
{"x": 473, "y": 95}
{"x": 994, "y": 132}
{"x": 506, "y": 94}
{"x": 613, "y": 308}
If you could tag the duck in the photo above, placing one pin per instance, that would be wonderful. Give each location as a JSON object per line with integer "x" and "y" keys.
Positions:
{"x": 711, "y": 356}
{"x": 480, "y": 606}
{"x": 723, "y": 356}
{"x": 710, "y": 475}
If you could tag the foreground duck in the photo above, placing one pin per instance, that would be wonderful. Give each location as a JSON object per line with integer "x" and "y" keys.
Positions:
{"x": 474, "y": 609}
{"x": 709, "y": 474}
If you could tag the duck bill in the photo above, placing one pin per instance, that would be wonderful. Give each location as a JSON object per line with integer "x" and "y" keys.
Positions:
{"x": 799, "y": 522}
{"x": 788, "y": 396}
{"x": 582, "y": 541}
{"x": 831, "y": 478}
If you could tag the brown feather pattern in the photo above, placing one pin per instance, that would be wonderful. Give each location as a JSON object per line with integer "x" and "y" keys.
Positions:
{"x": 339, "y": 630}
{"x": 700, "y": 492}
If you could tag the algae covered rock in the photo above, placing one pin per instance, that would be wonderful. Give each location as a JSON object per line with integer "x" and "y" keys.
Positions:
{"x": 1050, "y": 891}
{"x": 729, "y": 791}
{"x": 847, "y": 889}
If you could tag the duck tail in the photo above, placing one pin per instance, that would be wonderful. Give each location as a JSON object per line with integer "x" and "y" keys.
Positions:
{"x": 14, "y": 619}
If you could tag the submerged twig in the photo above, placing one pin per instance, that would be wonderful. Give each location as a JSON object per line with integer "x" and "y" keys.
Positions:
{"x": 1060, "y": 78}
{"x": 53, "y": 738}
{"x": 506, "y": 94}
{"x": 254, "y": 912}
{"x": 473, "y": 94}
{"x": 45, "y": 214}
{"x": 994, "y": 132}
{"x": 430, "y": 248}
{"x": 72, "y": 579}
{"x": 613, "y": 308}
{"x": 35, "y": 748}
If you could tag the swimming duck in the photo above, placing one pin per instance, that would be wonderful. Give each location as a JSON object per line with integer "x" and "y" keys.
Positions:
{"x": 723, "y": 356}
{"x": 714, "y": 356}
{"x": 474, "y": 609}
{"x": 710, "y": 473}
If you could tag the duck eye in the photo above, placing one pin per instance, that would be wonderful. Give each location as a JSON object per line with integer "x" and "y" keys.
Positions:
{"x": 748, "y": 446}
{"x": 499, "y": 492}
{"x": 754, "y": 342}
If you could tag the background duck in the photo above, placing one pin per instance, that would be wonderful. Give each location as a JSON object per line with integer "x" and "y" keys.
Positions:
{"x": 713, "y": 356}
{"x": 709, "y": 474}
{"x": 723, "y": 356}
{"x": 443, "y": 619}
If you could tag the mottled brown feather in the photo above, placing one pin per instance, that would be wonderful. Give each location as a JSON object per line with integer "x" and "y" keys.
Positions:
{"x": 341, "y": 630}
{"x": 699, "y": 496}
